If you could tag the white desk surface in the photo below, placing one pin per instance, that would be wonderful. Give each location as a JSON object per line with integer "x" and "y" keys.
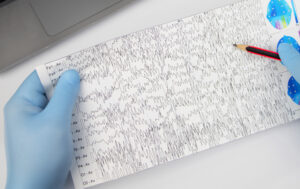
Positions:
{"x": 269, "y": 159}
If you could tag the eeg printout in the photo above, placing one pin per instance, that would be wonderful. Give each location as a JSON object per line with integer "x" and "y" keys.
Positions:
{"x": 172, "y": 90}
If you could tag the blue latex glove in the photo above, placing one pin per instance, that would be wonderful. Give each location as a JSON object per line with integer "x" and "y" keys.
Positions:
{"x": 37, "y": 133}
{"x": 291, "y": 59}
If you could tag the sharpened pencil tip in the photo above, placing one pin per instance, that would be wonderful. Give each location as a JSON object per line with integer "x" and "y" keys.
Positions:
{"x": 242, "y": 47}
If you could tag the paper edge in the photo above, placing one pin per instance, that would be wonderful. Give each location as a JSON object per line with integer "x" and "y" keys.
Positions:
{"x": 45, "y": 80}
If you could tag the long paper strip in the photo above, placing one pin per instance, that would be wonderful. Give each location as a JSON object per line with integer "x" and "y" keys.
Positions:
{"x": 170, "y": 91}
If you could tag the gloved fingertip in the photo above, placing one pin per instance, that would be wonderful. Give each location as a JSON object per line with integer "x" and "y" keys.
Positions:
{"x": 288, "y": 54}
{"x": 68, "y": 84}
{"x": 284, "y": 48}
{"x": 290, "y": 58}
{"x": 71, "y": 77}
{"x": 65, "y": 94}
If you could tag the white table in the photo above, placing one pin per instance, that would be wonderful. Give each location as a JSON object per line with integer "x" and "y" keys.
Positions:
{"x": 269, "y": 159}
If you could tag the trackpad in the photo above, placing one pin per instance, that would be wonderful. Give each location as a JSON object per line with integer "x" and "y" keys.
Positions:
{"x": 58, "y": 15}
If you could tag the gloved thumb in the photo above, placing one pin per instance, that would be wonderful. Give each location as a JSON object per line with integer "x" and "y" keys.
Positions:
{"x": 65, "y": 94}
{"x": 290, "y": 57}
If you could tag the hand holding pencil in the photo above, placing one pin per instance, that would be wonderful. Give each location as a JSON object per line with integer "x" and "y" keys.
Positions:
{"x": 289, "y": 56}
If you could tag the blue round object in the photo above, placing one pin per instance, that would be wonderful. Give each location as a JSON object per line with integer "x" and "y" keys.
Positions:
{"x": 294, "y": 90}
{"x": 279, "y": 14}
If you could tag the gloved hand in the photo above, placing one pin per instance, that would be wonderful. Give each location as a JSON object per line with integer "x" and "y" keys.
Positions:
{"x": 37, "y": 133}
{"x": 291, "y": 59}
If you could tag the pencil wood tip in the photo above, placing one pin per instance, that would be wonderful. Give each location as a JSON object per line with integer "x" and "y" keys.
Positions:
{"x": 240, "y": 46}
